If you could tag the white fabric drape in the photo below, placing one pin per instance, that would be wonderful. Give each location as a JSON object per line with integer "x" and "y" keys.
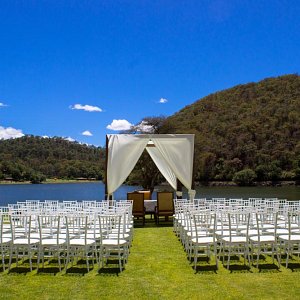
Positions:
{"x": 178, "y": 152}
{"x": 163, "y": 166}
{"x": 173, "y": 154}
{"x": 123, "y": 153}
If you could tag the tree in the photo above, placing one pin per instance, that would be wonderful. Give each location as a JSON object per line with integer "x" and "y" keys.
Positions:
{"x": 145, "y": 172}
{"x": 244, "y": 177}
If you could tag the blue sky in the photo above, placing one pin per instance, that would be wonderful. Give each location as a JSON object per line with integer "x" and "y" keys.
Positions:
{"x": 70, "y": 68}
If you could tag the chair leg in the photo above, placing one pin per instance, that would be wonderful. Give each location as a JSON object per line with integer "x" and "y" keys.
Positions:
{"x": 228, "y": 260}
{"x": 58, "y": 258}
{"x": 38, "y": 259}
{"x": 87, "y": 259}
{"x": 287, "y": 256}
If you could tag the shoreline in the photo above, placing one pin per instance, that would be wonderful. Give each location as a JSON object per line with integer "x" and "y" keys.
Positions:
{"x": 197, "y": 184}
{"x": 49, "y": 181}
{"x": 256, "y": 184}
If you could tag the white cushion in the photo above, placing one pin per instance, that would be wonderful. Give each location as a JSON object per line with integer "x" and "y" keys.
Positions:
{"x": 293, "y": 237}
{"x": 113, "y": 242}
{"x": 235, "y": 239}
{"x": 203, "y": 240}
{"x": 263, "y": 238}
{"x": 81, "y": 242}
{"x": 53, "y": 242}
{"x": 23, "y": 241}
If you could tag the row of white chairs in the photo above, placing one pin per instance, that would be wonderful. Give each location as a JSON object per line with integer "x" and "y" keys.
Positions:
{"x": 28, "y": 231}
{"x": 236, "y": 230}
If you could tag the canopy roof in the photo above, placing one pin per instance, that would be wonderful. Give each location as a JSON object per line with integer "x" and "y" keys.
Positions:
{"x": 173, "y": 154}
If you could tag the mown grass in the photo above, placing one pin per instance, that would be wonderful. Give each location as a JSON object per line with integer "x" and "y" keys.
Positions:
{"x": 157, "y": 269}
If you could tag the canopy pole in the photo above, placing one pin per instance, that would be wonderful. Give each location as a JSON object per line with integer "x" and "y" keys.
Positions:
{"x": 192, "y": 192}
{"x": 106, "y": 165}
{"x": 179, "y": 189}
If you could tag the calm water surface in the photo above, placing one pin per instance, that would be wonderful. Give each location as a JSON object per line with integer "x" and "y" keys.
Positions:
{"x": 95, "y": 191}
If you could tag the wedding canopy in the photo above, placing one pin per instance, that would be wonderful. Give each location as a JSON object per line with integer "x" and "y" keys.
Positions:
{"x": 172, "y": 153}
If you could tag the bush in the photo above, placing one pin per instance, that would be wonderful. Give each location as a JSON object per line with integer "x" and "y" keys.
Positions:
{"x": 288, "y": 175}
{"x": 244, "y": 177}
{"x": 37, "y": 178}
{"x": 268, "y": 171}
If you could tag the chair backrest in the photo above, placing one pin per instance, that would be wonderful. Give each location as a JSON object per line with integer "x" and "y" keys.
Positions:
{"x": 49, "y": 225}
{"x": 109, "y": 222}
{"x": 77, "y": 225}
{"x": 204, "y": 223}
{"x": 165, "y": 201}
{"x": 147, "y": 194}
{"x": 21, "y": 224}
{"x": 138, "y": 202}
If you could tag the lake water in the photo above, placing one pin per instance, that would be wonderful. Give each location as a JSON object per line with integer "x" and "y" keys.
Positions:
{"x": 10, "y": 193}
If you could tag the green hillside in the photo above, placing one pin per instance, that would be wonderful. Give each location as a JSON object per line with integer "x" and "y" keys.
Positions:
{"x": 35, "y": 158}
{"x": 253, "y": 128}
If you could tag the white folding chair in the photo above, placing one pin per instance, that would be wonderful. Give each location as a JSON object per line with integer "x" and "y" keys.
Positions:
{"x": 204, "y": 241}
{"x": 236, "y": 243}
{"x": 51, "y": 244}
{"x": 112, "y": 246}
{"x": 265, "y": 242}
{"x": 290, "y": 243}
{"x": 23, "y": 245}
{"x": 79, "y": 244}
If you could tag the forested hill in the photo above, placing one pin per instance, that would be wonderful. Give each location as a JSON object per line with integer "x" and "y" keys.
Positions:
{"x": 36, "y": 158}
{"x": 254, "y": 126}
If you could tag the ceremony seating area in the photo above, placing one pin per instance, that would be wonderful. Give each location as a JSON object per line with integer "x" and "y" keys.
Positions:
{"x": 97, "y": 233}
{"x": 243, "y": 228}
{"x": 68, "y": 231}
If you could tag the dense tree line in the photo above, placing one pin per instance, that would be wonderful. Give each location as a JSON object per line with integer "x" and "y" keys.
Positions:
{"x": 247, "y": 133}
{"x": 35, "y": 159}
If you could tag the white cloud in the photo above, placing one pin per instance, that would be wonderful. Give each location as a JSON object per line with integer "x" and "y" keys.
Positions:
{"x": 87, "y": 133}
{"x": 2, "y": 104}
{"x": 163, "y": 100}
{"x": 69, "y": 139}
{"x": 10, "y": 133}
{"x": 117, "y": 125}
{"x": 86, "y": 107}
{"x": 143, "y": 127}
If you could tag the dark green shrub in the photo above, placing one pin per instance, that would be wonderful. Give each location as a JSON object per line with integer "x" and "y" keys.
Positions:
{"x": 244, "y": 177}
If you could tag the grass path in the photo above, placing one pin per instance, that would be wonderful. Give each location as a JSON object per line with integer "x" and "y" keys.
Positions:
{"x": 157, "y": 269}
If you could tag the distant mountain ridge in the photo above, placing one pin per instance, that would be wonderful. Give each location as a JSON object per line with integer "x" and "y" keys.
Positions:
{"x": 253, "y": 127}
{"x": 34, "y": 158}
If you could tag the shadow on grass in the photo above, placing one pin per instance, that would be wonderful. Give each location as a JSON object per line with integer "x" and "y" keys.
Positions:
{"x": 236, "y": 264}
{"x": 6, "y": 263}
{"x": 238, "y": 268}
{"x": 77, "y": 271}
{"x": 206, "y": 269}
{"x": 265, "y": 266}
{"x": 151, "y": 224}
{"x": 111, "y": 268}
{"x": 109, "y": 271}
{"x": 48, "y": 271}
{"x": 295, "y": 266}
{"x": 268, "y": 268}
{"x": 23, "y": 270}
{"x": 79, "y": 268}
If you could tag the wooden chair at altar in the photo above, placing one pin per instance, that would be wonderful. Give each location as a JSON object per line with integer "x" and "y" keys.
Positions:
{"x": 165, "y": 205}
{"x": 138, "y": 208}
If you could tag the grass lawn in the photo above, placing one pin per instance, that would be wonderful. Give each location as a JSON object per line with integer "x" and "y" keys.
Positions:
{"x": 157, "y": 269}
